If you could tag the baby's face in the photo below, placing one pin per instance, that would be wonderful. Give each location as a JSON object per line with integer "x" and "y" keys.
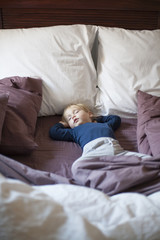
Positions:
{"x": 76, "y": 116}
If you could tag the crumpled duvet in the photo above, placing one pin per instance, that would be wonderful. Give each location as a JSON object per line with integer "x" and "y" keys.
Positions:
{"x": 117, "y": 174}
{"x": 70, "y": 212}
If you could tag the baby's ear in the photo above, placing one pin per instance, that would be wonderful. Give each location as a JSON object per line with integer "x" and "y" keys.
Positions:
{"x": 90, "y": 114}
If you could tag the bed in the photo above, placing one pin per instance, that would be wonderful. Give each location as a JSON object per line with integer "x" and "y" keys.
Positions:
{"x": 105, "y": 54}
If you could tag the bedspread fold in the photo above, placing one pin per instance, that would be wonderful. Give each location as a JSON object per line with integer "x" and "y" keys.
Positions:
{"x": 116, "y": 174}
{"x": 16, "y": 170}
{"x": 109, "y": 174}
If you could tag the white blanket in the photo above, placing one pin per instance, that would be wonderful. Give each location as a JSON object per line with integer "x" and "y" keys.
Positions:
{"x": 67, "y": 212}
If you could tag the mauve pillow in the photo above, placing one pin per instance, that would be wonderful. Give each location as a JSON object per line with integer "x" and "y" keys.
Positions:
{"x": 148, "y": 126}
{"x": 3, "y": 106}
{"x": 25, "y": 96}
{"x": 153, "y": 135}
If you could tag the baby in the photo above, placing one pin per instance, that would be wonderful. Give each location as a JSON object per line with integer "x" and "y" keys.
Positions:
{"x": 94, "y": 135}
{"x": 96, "y": 138}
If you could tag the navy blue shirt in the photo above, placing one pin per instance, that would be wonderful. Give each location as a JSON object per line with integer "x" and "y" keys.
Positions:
{"x": 84, "y": 133}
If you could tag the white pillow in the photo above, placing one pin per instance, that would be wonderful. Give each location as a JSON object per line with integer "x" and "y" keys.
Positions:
{"x": 59, "y": 55}
{"x": 128, "y": 60}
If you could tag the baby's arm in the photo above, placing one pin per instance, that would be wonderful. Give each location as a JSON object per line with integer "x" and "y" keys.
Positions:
{"x": 113, "y": 121}
{"x": 60, "y": 133}
{"x": 65, "y": 124}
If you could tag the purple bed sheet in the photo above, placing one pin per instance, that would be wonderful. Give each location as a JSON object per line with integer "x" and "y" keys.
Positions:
{"x": 51, "y": 163}
{"x": 58, "y": 156}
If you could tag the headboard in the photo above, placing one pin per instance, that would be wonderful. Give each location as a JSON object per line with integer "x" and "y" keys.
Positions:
{"x": 130, "y": 14}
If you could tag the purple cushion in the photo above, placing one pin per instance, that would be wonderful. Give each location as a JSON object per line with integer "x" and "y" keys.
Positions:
{"x": 148, "y": 127}
{"x": 25, "y": 96}
{"x": 3, "y": 106}
{"x": 153, "y": 135}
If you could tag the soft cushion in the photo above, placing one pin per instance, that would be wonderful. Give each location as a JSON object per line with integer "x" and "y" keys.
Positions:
{"x": 153, "y": 135}
{"x": 25, "y": 96}
{"x": 3, "y": 106}
{"x": 59, "y": 55}
{"x": 148, "y": 127}
{"x": 128, "y": 60}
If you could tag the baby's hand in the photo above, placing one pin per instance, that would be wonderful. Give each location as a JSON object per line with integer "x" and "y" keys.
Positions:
{"x": 65, "y": 124}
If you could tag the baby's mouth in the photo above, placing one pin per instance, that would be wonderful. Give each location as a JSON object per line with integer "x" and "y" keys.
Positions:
{"x": 75, "y": 120}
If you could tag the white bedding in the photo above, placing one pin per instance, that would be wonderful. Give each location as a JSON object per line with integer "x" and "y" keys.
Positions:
{"x": 73, "y": 212}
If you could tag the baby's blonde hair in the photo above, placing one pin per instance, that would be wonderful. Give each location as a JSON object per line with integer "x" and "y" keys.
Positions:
{"x": 80, "y": 105}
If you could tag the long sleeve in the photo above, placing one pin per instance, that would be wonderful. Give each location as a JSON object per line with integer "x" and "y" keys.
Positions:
{"x": 113, "y": 121}
{"x": 60, "y": 133}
